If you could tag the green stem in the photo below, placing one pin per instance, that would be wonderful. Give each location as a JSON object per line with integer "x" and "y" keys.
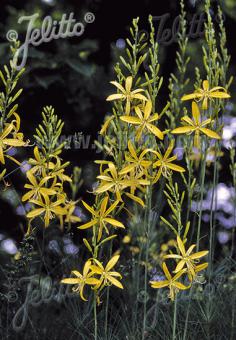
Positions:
{"x": 203, "y": 174}
{"x": 95, "y": 316}
{"x": 187, "y": 316}
{"x": 108, "y": 295}
{"x": 174, "y": 320}
{"x": 147, "y": 224}
{"x": 211, "y": 215}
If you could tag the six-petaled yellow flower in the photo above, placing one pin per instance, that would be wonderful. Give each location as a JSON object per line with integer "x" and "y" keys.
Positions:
{"x": 137, "y": 163}
{"x": 112, "y": 181}
{"x": 164, "y": 163}
{"x": 170, "y": 282}
{"x": 144, "y": 121}
{"x": 107, "y": 277}
{"x": 187, "y": 259}
{"x": 196, "y": 126}
{"x": 37, "y": 188}
{"x": 102, "y": 217}
{"x": 206, "y": 93}
{"x": 47, "y": 208}
{"x": 127, "y": 94}
{"x": 82, "y": 279}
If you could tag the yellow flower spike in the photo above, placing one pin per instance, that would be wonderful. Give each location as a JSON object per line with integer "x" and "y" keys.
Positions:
{"x": 170, "y": 282}
{"x": 127, "y": 94}
{"x": 48, "y": 208}
{"x": 196, "y": 125}
{"x": 164, "y": 163}
{"x": 102, "y": 217}
{"x": 187, "y": 259}
{"x": 82, "y": 279}
{"x": 107, "y": 276}
{"x": 144, "y": 121}
{"x": 205, "y": 94}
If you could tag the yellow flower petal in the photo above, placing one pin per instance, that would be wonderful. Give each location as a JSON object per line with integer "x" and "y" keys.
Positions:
{"x": 115, "y": 97}
{"x": 183, "y": 129}
{"x": 181, "y": 246}
{"x": 128, "y": 83}
{"x": 112, "y": 262}
{"x": 199, "y": 254}
{"x": 191, "y": 96}
{"x": 166, "y": 271}
{"x": 130, "y": 120}
{"x": 159, "y": 284}
{"x": 88, "y": 225}
{"x": 158, "y": 133}
{"x": 114, "y": 222}
{"x": 210, "y": 133}
{"x": 71, "y": 281}
{"x": 196, "y": 113}
{"x": 221, "y": 95}
{"x": 115, "y": 282}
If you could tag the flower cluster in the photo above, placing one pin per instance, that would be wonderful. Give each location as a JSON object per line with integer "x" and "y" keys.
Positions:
{"x": 47, "y": 176}
{"x": 188, "y": 263}
{"x": 10, "y": 122}
{"x": 95, "y": 275}
{"x": 126, "y": 176}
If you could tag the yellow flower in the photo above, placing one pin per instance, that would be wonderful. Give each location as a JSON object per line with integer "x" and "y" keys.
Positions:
{"x": 48, "y": 208}
{"x": 143, "y": 121}
{"x": 205, "y": 94}
{"x": 112, "y": 181}
{"x": 101, "y": 217}
{"x": 165, "y": 163}
{"x": 136, "y": 163}
{"x": 136, "y": 182}
{"x": 37, "y": 188}
{"x": 187, "y": 259}
{"x": 127, "y": 94}
{"x": 195, "y": 125}
{"x": 7, "y": 143}
{"x": 39, "y": 163}
{"x": 82, "y": 279}
{"x": 170, "y": 282}
{"x": 107, "y": 277}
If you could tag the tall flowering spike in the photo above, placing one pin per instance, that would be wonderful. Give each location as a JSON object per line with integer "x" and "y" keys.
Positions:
{"x": 196, "y": 126}
{"x": 144, "y": 121}
{"x": 127, "y": 94}
{"x": 10, "y": 135}
{"x": 205, "y": 94}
